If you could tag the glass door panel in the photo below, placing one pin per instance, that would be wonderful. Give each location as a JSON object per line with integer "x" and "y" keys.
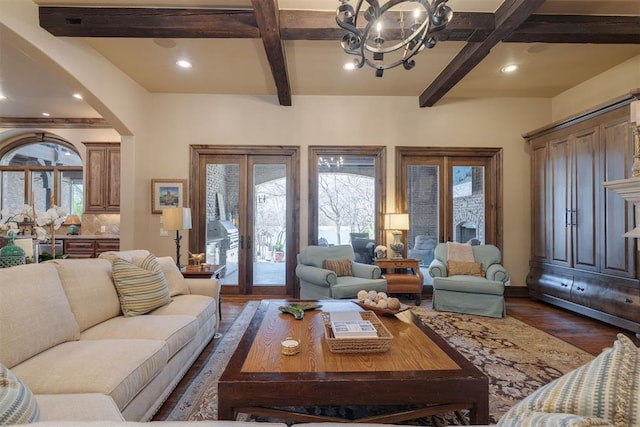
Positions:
{"x": 247, "y": 213}
{"x": 423, "y": 207}
{"x": 269, "y": 225}
{"x": 222, "y": 198}
{"x": 346, "y": 185}
{"x": 468, "y": 199}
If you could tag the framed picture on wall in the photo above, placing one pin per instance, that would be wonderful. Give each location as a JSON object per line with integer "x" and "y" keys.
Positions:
{"x": 168, "y": 193}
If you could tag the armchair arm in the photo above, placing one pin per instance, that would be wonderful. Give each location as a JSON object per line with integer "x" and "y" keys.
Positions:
{"x": 315, "y": 275}
{"x": 497, "y": 272}
{"x": 437, "y": 268}
{"x": 366, "y": 271}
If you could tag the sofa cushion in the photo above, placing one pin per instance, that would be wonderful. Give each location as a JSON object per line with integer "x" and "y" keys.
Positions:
{"x": 88, "y": 284}
{"x": 202, "y": 307}
{"x": 17, "y": 404}
{"x": 607, "y": 388}
{"x": 78, "y": 407}
{"x": 118, "y": 368}
{"x": 128, "y": 255}
{"x": 176, "y": 330}
{"x": 140, "y": 288}
{"x": 175, "y": 279}
{"x": 342, "y": 267}
{"x": 33, "y": 303}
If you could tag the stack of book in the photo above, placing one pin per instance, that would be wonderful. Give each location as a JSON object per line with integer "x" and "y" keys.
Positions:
{"x": 351, "y": 325}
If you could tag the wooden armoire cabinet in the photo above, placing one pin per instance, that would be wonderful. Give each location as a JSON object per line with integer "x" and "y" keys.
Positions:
{"x": 102, "y": 194}
{"x": 579, "y": 257}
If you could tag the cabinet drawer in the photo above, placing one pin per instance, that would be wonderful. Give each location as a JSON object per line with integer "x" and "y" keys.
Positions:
{"x": 78, "y": 246}
{"x": 615, "y": 299}
{"x": 551, "y": 283}
{"x": 107, "y": 245}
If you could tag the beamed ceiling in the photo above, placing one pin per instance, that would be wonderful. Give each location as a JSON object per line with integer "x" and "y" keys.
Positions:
{"x": 292, "y": 47}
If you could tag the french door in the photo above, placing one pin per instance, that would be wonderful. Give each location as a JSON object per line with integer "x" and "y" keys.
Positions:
{"x": 243, "y": 202}
{"x": 450, "y": 195}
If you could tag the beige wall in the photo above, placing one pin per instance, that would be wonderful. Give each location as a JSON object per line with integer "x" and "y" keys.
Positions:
{"x": 598, "y": 90}
{"x": 181, "y": 120}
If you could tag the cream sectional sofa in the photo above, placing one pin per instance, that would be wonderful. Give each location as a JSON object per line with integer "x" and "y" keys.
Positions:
{"x": 63, "y": 334}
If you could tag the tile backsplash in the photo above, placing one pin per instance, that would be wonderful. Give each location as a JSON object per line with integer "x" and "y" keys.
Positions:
{"x": 92, "y": 224}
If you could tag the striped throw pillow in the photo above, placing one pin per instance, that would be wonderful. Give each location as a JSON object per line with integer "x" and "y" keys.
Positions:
{"x": 605, "y": 391}
{"x": 140, "y": 288}
{"x": 17, "y": 403}
{"x": 342, "y": 267}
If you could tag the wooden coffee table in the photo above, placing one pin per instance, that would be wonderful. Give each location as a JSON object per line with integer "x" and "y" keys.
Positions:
{"x": 420, "y": 369}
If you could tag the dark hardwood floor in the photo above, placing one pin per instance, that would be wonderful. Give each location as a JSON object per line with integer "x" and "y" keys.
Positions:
{"x": 588, "y": 334}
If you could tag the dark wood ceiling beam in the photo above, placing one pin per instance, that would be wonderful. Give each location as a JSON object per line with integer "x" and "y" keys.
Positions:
{"x": 578, "y": 29}
{"x": 148, "y": 22}
{"x": 509, "y": 16}
{"x": 267, "y": 16}
{"x": 318, "y": 25}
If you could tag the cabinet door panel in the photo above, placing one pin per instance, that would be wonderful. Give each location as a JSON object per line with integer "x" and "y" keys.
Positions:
{"x": 95, "y": 180}
{"x": 585, "y": 200}
{"x": 559, "y": 175}
{"x": 617, "y": 251}
{"x": 113, "y": 187}
{"x": 539, "y": 205}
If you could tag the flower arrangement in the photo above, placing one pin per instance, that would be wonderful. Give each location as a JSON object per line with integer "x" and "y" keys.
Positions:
{"x": 381, "y": 251}
{"x": 49, "y": 221}
{"x": 9, "y": 221}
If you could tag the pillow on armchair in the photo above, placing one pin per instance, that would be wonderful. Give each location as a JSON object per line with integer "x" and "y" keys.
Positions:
{"x": 342, "y": 267}
{"x": 465, "y": 268}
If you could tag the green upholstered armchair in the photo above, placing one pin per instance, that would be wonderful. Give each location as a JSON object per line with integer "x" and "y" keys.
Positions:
{"x": 317, "y": 282}
{"x": 466, "y": 293}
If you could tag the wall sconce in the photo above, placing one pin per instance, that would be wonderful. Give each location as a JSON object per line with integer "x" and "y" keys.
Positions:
{"x": 397, "y": 222}
{"x": 176, "y": 219}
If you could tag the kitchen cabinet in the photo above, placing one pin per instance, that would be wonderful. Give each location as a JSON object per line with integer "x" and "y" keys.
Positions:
{"x": 102, "y": 178}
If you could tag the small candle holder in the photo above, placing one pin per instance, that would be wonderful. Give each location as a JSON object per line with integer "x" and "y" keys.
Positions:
{"x": 290, "y": 346}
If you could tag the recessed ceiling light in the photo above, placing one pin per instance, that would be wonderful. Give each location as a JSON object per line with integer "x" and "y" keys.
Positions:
{"x": 2, "y": 96}
{"x": 77, "y": 96}
{"x": 183, "y": 63}
{"x": 509, "y": 68}
{"x": 46, "y": 114}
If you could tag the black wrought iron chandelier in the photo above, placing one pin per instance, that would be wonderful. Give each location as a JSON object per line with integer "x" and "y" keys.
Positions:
{"x": 392, "y": 33}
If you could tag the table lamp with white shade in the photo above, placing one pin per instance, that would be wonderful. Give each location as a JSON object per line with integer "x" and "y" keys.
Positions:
{"x": 176, "y": 219}
{"x": 397, "y": 222}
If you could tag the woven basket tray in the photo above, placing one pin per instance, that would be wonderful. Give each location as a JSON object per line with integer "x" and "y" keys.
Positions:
{"x": 379, "y": 344}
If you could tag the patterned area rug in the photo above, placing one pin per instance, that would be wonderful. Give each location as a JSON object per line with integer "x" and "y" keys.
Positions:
{"x": 516, "y": 357}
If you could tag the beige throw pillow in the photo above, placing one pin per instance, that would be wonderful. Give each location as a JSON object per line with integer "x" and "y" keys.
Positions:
{"x": 140, "y": 288}
{"x": 464, "y": 268}
{"x": 342, "y": 267}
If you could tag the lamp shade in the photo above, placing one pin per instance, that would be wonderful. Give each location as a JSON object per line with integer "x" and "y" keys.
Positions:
{"x": 176, "y": 218}
{"x": 397, "y": 221}
{"x": 72, "y": 220}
